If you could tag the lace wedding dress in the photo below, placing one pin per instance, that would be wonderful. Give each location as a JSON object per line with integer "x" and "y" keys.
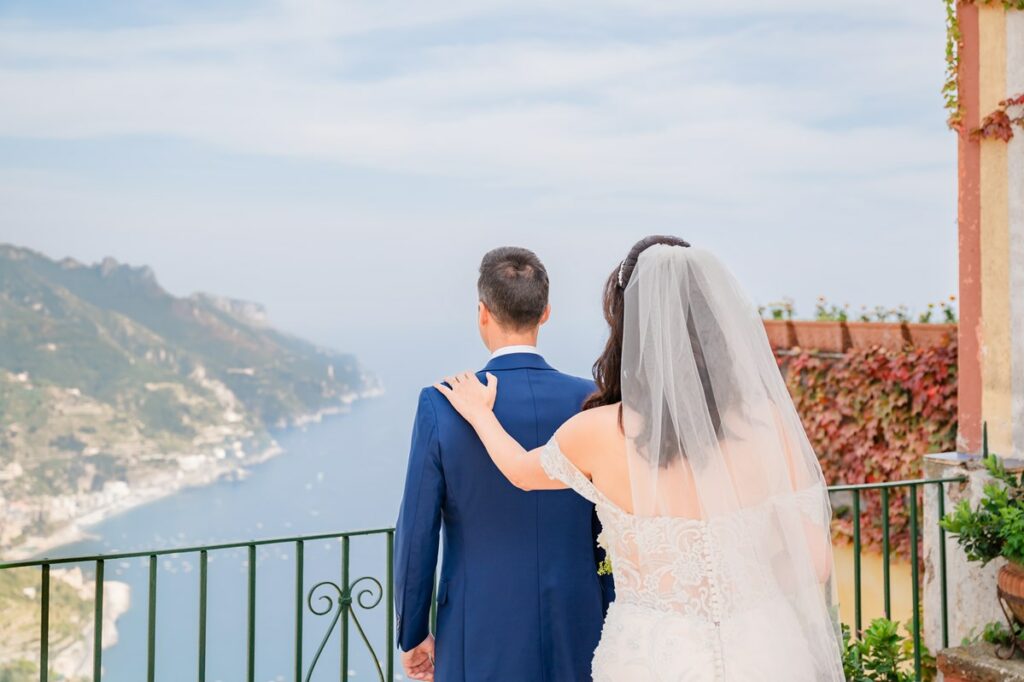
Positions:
{"x": 694, "y": 608}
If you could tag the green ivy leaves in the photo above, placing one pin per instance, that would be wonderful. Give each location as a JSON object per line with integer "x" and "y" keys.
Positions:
{"x": 996, "y": 527}
{"x": 951, "y": 85}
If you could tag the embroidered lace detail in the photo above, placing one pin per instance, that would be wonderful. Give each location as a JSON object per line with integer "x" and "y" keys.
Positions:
{"x": 688, "y": 590}
{"x": 558, "y": 467}
{"x": 689, "y": 566}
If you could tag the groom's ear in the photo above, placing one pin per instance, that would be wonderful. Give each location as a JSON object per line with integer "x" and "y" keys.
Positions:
{"x": 547, "y": 314}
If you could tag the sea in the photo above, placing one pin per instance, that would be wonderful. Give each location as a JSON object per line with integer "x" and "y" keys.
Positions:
{"x": 344, "y": 473}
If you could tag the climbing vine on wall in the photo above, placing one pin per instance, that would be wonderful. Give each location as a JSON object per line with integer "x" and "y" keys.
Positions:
{"x": 871, "y": 415}
{"x": 999, "y": 124}
{"x": 954, "y": 45}
{"x": 951, "y": 86}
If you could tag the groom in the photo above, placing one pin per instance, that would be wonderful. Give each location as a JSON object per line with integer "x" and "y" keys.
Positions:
{"x": 519, "y": 598}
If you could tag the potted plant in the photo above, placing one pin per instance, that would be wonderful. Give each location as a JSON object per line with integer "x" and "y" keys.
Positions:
{"x": 883, "y": 328}
{"x": 778, "y": 324}
{"x": 826, "y": 332}
{"x": 996, "y": 529}
{"x": 934, "y": 327}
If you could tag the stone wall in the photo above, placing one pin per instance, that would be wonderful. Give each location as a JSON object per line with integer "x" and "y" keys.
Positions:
{"x": 971, "y": 588}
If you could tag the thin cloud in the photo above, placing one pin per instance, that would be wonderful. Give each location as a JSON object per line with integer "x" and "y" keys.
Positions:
{"x": 296, "y": 79}
{"x": 793, "y": 118}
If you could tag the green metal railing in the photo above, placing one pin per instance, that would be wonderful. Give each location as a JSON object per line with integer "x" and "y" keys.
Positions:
{"x": 347, "y": 596}
{"x": 325, "y": 597}
{"x": 913, "y": 490}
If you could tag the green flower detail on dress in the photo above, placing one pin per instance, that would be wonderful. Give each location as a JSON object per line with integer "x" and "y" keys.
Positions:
{"x": 605, "y": 566}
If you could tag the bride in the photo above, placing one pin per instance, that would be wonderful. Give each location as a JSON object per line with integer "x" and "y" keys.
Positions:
{"x": 714, "y": 508}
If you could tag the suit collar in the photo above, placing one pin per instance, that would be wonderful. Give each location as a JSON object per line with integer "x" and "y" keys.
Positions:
{"x": 517, "y": 361}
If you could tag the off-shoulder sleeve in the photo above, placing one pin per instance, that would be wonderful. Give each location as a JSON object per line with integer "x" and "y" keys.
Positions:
{"x": 557, "y": 466}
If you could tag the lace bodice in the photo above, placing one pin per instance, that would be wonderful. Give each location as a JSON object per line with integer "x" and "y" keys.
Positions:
{"x": 703, "y": 569}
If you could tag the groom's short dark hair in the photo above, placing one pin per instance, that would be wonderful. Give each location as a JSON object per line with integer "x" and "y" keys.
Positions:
{"x": 514, "y": 285}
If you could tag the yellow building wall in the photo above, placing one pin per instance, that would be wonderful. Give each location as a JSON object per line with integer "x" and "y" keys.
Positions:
{"x": 997, "y": 384}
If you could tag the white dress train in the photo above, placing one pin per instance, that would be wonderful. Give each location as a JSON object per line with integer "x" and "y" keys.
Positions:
{"x": 684, "y": 616}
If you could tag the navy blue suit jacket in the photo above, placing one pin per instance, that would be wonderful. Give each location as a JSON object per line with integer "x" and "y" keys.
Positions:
{"x": 519, "y": 597}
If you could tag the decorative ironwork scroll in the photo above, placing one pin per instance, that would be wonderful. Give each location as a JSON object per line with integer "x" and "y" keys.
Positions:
{"x": 368, "y": 597}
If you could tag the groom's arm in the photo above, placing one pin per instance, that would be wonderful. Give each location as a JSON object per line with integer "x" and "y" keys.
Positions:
{"x": 419, "y": 523}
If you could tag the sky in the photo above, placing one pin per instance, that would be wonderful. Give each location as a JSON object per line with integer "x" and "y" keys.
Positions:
{"x": 347, "y": 162}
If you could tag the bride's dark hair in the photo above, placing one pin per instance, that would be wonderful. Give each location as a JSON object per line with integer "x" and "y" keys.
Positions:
{"x": 608, "y": 368}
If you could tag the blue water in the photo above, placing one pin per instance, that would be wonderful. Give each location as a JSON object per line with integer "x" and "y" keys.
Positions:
{"x": 342, "y": 474}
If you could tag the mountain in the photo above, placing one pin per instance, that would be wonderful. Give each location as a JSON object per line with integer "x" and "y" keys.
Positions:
{"x": 110, "y": 385}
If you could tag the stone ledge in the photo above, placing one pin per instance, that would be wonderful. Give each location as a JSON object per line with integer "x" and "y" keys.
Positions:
{"x": 972, "y": 462}
{"x": 978, "y": 663}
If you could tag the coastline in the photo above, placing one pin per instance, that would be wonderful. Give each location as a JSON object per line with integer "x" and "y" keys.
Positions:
{"x": 163, "y": 486}
{"x": 78, "y": 529}
{"x": 73, "y": 659}
{"x": 72, "y": 627}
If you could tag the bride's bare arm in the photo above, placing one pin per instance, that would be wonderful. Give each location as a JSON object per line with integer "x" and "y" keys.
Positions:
{"x": 475, "y": 402}
{"x": 819, "y": 538}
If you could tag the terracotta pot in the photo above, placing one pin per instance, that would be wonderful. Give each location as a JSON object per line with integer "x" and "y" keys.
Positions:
{"x": 888, "y": 335}
{"x": 780, "y": 334}
{"x": 814, "y": 335}
{"x": 1011, "y": 584}
{"x": 928, "y": 335}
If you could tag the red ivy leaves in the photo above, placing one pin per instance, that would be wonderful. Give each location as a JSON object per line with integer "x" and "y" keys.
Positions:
{"x": 871, "y": 416}
{"x": 1013, "y": 101}
{"x": 999, "y": 124}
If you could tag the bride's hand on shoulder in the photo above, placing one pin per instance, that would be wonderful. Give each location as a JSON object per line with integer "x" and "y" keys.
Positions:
{"x": 470, "y": 398}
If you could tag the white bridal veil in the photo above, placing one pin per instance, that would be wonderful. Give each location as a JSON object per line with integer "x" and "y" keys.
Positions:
{"x": 712, "y": 435}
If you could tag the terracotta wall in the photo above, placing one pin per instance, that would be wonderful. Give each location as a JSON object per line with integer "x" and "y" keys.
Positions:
{"x": 839, "y": 337}
{"x": 991, "y": 225}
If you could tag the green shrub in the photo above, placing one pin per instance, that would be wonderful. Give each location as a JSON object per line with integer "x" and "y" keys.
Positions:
{"x": 996, "y": 527}
{"x": 994, "y": 633}
{"x": 19, "y": 671}
{"x": 883, "y": 655}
